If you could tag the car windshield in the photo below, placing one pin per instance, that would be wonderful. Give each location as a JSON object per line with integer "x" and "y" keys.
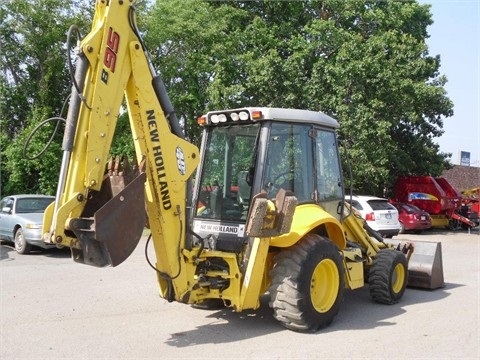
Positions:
{"x": 32, "y": 205}
{"x": 381, "y": 205}
{"x": 354, "y": 203}
{"x": 411, "y": 208}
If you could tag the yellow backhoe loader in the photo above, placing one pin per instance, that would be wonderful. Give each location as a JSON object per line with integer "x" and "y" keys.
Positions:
{"x": 265, "y": 213}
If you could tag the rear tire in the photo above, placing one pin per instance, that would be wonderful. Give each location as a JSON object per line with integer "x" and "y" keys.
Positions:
{"x": 21, "y": 245}
{"x": 307, "y": 284}
{"x": 388, "y": 276}
{"x": 453, "y": 225}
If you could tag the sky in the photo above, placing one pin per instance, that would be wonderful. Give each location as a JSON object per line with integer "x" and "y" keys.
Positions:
{"x": 455, "y": 36}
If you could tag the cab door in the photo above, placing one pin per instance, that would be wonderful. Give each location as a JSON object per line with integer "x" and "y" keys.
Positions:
{"x": 328, "y": 173}
{"x": 6, "y": 208}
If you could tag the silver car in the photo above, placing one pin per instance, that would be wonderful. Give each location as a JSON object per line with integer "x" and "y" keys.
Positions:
{"x": 21, "y": 218}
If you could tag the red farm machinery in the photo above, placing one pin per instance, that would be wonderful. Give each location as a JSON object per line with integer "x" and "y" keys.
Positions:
{"x": 447, "y": 206}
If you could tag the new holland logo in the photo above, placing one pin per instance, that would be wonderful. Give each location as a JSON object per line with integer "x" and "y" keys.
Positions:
{"x": 180, "y": 161}
{"x": 158, "y": 161}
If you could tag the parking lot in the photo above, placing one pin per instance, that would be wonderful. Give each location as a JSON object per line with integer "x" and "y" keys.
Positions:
{"x": 52, "y": 307}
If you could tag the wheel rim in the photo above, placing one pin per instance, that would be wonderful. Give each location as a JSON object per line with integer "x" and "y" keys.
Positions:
{"x": 324, "y": 285}
{"x": 398, "y": 278}
{"x": 19, "y": 242}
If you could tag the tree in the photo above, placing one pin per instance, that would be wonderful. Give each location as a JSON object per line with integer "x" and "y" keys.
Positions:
{"x": 364, "y": 62}
{"x": 190, "y": 46}
{"x": 34, "y": 84}
{"x": 383, "y": 87}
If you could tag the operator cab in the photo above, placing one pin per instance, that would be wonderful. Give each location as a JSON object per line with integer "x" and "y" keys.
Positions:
{"x": 253, "y": 150}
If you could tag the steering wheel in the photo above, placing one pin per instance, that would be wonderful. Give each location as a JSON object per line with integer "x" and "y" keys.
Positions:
{"x": 280, "y": 180}
{"x": 286, "y": 175}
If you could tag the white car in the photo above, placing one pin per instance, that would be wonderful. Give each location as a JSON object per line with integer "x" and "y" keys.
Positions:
{"x": 379, "y": 214}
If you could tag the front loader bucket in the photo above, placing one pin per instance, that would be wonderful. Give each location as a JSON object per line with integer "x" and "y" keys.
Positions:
{"x": 425, "y": 267}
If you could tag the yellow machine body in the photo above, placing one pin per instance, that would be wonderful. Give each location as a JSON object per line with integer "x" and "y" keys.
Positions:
{"x": 303, "y": 247}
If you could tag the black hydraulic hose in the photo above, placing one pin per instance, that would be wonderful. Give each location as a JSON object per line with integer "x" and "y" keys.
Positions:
{"x": 351, "y": 181}
{"x": 373, "y": 233}
{"x": 169, "y": 279}
{"x": 158, "y": 85}
{"x": 133, "y": 25}
{"x": 59, "y": 119}
{"x": 161, "y": 273}
{"x": 34, "y": 131}
{"x": 73, "y": 28}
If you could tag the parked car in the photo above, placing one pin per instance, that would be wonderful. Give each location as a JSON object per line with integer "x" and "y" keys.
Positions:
{"x": 412, "y": 218}
{"x": 379, "y": 214}
{"x": 21, "y": 218}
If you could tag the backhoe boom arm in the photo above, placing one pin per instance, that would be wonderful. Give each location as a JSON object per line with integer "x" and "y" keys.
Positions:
{"x": 92, "y": 214}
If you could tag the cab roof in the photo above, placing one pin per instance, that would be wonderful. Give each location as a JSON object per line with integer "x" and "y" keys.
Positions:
{"x": 283, "y": 114}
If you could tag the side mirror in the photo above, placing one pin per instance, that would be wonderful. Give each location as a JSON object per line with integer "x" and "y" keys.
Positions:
{"x": 6, "y": 210}
{"x": 268, "y": 219}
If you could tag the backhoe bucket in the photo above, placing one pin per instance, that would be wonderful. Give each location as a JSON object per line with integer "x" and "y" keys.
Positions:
{"x": 119, "y": 223}
{"x": 425, "y": 264}
{"x": 112, "y": 234}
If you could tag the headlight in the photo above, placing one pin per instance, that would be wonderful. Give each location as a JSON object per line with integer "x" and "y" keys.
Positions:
{"x": 33, "y": 226}
{"x": 215, "y": 119}
{"x": 228, "y": 116}
{"x": 243, "y": 115}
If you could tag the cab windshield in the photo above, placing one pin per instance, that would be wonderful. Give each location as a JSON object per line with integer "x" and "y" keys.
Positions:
{"x": 227, "y": 174}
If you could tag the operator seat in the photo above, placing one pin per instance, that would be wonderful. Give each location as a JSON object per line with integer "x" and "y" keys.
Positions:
{"x": 244, "y": 189}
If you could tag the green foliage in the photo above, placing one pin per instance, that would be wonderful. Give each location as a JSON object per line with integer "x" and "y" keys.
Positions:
{"x": 122, "y": 144}
{"x": 30, "y": 171}
{"x": 364, "y": 62}
{"x": 34, "y": 83}
{"x": 384, "y": 89}
{"x": 190, "y": 46}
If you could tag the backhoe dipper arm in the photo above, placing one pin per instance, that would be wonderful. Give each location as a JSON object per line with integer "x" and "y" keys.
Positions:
{"x": 100, "y": 223}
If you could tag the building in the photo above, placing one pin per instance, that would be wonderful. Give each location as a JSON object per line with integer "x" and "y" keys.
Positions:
{"x": 463, "y": 177}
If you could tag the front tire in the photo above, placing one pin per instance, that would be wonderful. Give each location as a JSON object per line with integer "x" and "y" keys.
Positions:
{"x": 21, "y": 245}
{"x": 388, "y": 276}
{"x": 307, "y": 284}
